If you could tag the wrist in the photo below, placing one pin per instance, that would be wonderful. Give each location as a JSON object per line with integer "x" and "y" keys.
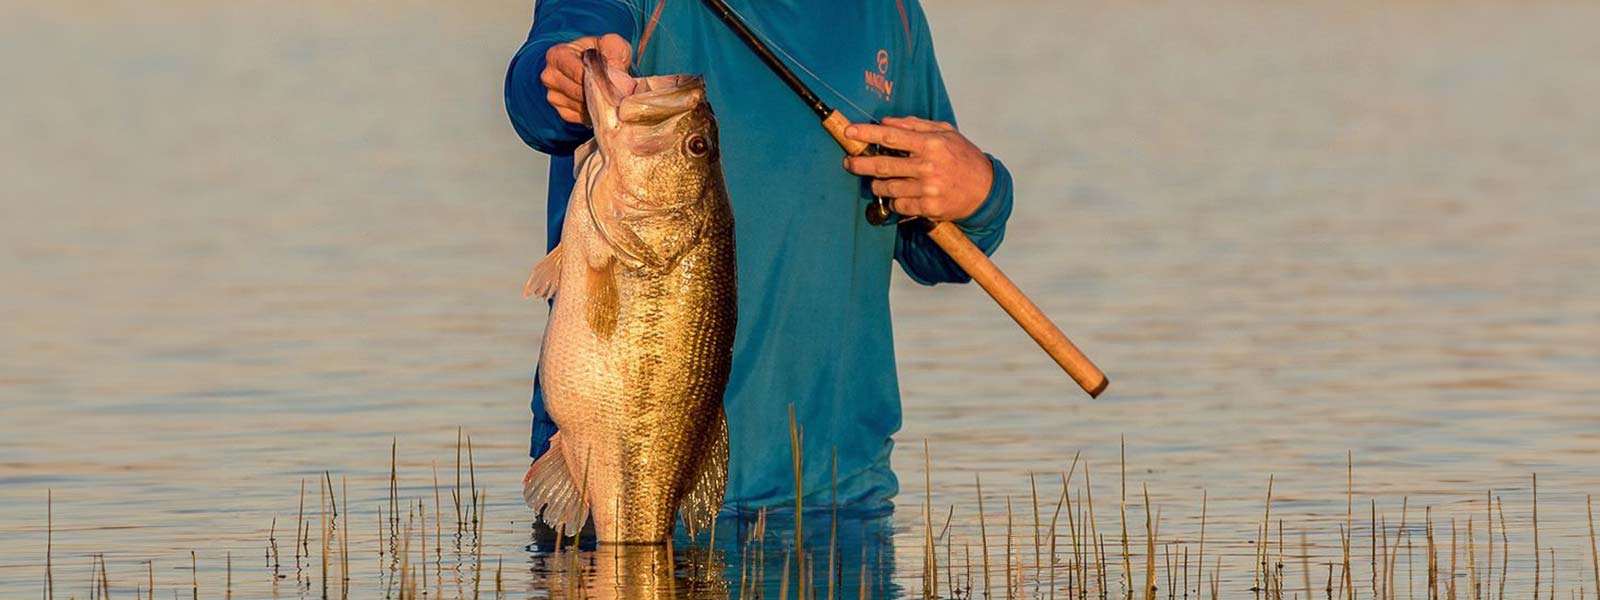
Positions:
{"x": 995, "y": 204}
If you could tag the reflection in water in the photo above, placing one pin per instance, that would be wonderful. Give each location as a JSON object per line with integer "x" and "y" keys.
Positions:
{"x": 614, "y": 571}
{"x": 753, "y": 557}
{"x": 243, "y": 242}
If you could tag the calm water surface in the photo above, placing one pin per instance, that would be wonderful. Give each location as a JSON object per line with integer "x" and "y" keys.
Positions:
{"x": 246, "y": 242}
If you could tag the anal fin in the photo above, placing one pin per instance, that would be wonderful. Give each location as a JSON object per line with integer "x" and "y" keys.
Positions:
{"x": 552, "y": 493}
{"x": 704, "y": 500}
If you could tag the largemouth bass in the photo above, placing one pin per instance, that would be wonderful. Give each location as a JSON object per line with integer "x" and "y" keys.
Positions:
{"x": 636, "y": 354}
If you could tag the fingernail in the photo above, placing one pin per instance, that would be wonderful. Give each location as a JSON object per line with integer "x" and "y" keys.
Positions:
{"x": 850, "y": 131}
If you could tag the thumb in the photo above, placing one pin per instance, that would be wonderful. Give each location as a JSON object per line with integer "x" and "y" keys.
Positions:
{"x": 617, "y": 51}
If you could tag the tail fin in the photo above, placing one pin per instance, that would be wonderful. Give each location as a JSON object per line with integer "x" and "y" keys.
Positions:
{"x": 704, "y": 501}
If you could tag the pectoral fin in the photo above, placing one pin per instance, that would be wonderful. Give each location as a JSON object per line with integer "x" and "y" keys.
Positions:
{"x": 552, "y": 493}
{"x": 704, "y": 500}
{"x": 545, "y": 277}
{"x": 603, "y": 301}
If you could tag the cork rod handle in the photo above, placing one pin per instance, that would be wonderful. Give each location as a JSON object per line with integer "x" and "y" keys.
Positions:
{"x": 998, "y": 285}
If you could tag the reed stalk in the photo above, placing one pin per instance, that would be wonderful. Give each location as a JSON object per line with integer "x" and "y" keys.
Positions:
{"x": 949, "y": 558}
{"x": 1038, "y": 572}
{"x": 1149, "y": 549}
{"x": 1552, "y": 574}
{"x": 322, "y": 534}
{"x": 1404, "y": 507}
{"x": 1099, "y": 547}
{"x": 1372, "y": 532}
{"x": 1200, "y": 563}
{"x": 930, "y": 564}
{"x": 394, "y": 494}
{"x": 1051, "y": 581}
{"x": 1349, "y": 521}
{"x": 1305, "y": 562}
{"x": 1488, "y": 577}
{"x": 1505, "y": 547}
{"x": 297, "y": 521}
{"x": 983, "y": 539}
{"x": 422, "y": 519}
{"x": 1431, "y": 574}
{"x": 1127, "y": 564}
{"x": 1384, "y": 523}
{"x": 966, "y": 549}
{"x": 472, "y": 480}
{"x": 482, "y": 500}
{"x": 799, "y": 505}
{"x": 1009, "y": 580}
{"x": 1473, "y": 588}
{"x": 783, "y": 585}
{"x": 438, "y": 533}
{"x": 1594, "y": 549}
{"x": 380, "y": 539}
{"x": 1451, "y": 578}
{"x": 1411, "y": 573}
{"x": 862, "y": 592}
{"x": 1264, "y": 572}
{"x": 1537, "y": 566}
{"x": 1277, "y": 566}
{"x": 344, "y": 544}
{"x": 455, "y": 494}
{"x": 833, "y": 528}
{"x": 49, "y": 544}
{"x": 1215, "y": 582}
{"x": 1347, "y": 584}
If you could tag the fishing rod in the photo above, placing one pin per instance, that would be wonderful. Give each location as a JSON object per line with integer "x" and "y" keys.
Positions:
{"x": 945, "y": 234}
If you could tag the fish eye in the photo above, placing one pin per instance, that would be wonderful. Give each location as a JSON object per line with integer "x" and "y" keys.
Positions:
{"x": 698, "y": 145}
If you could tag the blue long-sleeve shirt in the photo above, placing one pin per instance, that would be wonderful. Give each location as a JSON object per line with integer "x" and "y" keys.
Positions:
{"x": 814, "y": 328}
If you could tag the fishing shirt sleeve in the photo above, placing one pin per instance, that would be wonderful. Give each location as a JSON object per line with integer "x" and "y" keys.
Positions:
{"x": 558, "y": 22}
{"x": 919, "y": 256}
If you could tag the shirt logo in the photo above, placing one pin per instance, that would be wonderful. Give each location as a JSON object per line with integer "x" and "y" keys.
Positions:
{"x": 879, "y": 81}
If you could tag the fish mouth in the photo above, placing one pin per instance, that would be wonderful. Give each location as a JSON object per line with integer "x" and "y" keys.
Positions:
{"x": 614, "y": 98}
{"x": 601, "y": 94}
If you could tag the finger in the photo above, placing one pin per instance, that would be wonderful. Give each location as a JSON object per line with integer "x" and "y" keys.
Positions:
{"x": 571, "y": 113}
{"x": 561, "y": 100}
{"x": 567, "y": 59}
{"x": 888, "y": 137}
{"x": 907, "y": 207}
{"x": 558, "y": 83}
{"x": 616, "y": 50}
{"x": 887, "y": 166}
{"x": 898, "y": 188}
{"x": 575, "y": 117}
{"x": 584, "y": 43}
{"x": 919, "y": 124}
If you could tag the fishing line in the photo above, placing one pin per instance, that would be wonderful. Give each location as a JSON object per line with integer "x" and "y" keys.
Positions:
{"x": 670, "y": 38}
{"x": 766, "y": 39}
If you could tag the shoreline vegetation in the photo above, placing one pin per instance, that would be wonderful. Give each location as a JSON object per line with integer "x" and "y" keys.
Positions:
{"x": 1067, "y": 548}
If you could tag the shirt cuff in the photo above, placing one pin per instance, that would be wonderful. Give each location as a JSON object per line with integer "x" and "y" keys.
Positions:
{"x": 996, "y": 207}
